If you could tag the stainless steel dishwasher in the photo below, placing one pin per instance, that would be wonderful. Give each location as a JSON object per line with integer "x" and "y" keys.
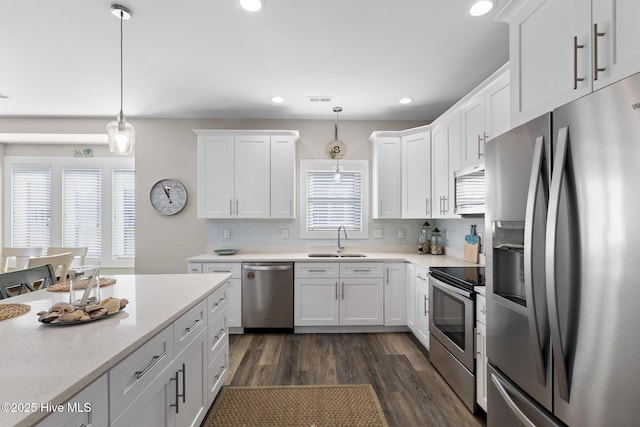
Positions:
{"x": 267, "y": 295}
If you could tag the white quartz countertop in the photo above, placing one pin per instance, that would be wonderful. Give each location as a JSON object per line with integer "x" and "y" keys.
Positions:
{"x": 49, "y": 364}
{"x": 414, "y": 258}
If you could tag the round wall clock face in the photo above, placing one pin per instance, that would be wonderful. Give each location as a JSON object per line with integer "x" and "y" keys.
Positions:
{"x": 168, "y": 196}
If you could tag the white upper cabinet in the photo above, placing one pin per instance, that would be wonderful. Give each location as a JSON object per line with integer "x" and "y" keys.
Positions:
{"x": 618, "y": 43}
{"x": 562, "y": 50}
{"x": 387, "y": 177}
{"x": 416, "y": 175}
{"x": 445, "y": 149}
{"x": 283, "y": 176}
{"x": 485, "y": 115}
{"x": 252, "y": 176}
{"x": 246, "y": 174}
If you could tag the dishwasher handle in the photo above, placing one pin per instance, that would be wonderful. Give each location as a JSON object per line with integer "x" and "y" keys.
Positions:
{"x": 284, "y": 267}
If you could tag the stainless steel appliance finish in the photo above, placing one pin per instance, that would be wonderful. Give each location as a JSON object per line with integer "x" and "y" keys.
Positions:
{"x": 267, "y": 295}
{"x": 451, "y": 327}
{"x": 562, "y": 285}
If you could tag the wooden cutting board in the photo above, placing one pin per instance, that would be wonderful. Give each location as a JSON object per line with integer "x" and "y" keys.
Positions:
{"x": 471, "y": 248}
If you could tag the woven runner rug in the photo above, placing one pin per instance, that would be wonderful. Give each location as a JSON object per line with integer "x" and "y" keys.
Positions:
{"x": 333, "y": 405}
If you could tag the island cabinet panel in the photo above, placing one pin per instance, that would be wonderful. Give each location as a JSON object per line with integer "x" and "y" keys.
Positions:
{"x": 177, "y": 397}
{"x": 134, "y": 374}
{"x": 395, "y": 294}
{"x": 88, "y": 408}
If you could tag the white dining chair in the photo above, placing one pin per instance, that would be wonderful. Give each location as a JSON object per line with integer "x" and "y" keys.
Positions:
{"x": 60, "y": 263}
{"x": 79, "y": 253}
{"x": 17, "y": 258}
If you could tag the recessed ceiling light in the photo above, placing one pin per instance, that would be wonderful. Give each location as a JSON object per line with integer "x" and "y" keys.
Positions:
{"x": 481, "y": 7}
{"x": 277, "y": 99}
{"x": 252, "y": 5}
{"x": 406, "y": 100}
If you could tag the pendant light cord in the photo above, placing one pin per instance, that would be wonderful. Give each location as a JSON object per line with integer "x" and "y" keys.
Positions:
{"x": 121, "y": 60}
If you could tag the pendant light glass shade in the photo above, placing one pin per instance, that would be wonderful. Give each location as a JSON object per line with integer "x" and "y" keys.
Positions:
{"x": 120, "y": 133}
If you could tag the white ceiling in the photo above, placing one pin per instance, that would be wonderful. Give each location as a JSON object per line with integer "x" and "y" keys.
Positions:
{"x": 210, "y": 59}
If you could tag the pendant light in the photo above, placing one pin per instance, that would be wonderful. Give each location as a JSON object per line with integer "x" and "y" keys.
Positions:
{"x": 121, "y": 134}
{"x": 337, "y": 148}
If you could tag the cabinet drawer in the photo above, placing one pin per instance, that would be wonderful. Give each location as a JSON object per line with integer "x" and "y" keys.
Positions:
{"x": 188, "y": 326}
{"x": 218, "y": 333}
{"x": 131, "y": 376}
{"x": 194, "y": 267}
{"x": 217, "y": 302}
{"x": 97, "y": 415}
{"x": 235, "y": 268}
{"x": 217, "y": 372}
{"x": 481, "y": 309}
{"x": 361, "y": 269}
{"x": 317, "y": 270}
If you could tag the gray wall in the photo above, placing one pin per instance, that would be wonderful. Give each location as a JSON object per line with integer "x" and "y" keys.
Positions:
{"x": 167, "y": 148}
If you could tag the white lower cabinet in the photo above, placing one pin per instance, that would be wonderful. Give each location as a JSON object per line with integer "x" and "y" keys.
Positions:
{"x": 234, "y": 286}
{"x": 481, "y": 352}
{"x": 422, "y": 306}
{"x": 395, "y": 291}
{"x": 338, "y": 294}
{"x": 411, "y": 297}
{"x": 87, "y": 408}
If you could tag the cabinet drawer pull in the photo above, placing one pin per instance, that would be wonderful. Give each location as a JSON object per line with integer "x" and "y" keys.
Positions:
{"x": 184, "y": 383}
{"x": 219, "y": 374}
{"x": 220, "y": 301}
{"x": 317, "y": 271}
{"x": 342, "y": 290}
{"x": 222, "y": 331}
{"x": 336, "y": 290}
{"x": 362, "y": 270}
{"x": 425, "y": 306}
{"x": 177, "y": 404}
{"x": 154, "y": 361}
{"x": 230, "y": 207}
{"x": 193, "y": 325}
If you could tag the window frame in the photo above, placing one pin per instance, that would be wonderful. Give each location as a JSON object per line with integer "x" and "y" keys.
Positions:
{"x": 307, "y": 165}
{"x": 57, "y": 165}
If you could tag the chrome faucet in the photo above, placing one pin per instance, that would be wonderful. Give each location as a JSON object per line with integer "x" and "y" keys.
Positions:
{"x": 344, "y": 230}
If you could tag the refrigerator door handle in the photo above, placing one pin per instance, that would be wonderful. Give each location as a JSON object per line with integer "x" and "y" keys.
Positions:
{"x": 550, "y": 263}
{"x": 534, "y": 332}
{"x": 509, "y": 401}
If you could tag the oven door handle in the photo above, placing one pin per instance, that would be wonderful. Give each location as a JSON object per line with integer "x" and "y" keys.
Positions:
{"x": 451, "y": 290}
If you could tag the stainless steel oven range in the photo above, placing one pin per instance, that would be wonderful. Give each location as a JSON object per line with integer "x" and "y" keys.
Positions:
{"x": 451, "y": 326}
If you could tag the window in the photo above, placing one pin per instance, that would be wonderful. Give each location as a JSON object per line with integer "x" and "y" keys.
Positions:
{"x": 82, "y": 209}
{"x": 30, "y": 207}
{"x": 60, "y": 201}
{"x": 124, "y": 213}
{"x": 326, "y": 204}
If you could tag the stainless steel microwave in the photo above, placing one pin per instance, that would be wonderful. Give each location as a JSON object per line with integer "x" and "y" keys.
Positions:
{"x": 470, "y": 192}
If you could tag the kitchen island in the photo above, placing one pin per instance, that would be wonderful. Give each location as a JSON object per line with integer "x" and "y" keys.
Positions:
{"x": 43, "y": 366}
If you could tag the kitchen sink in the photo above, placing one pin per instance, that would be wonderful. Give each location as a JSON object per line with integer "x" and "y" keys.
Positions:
{"x": 335, "y": 255}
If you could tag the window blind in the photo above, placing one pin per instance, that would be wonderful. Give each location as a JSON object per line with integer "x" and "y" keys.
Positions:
{"x": 30, "y": 207}
{"x": 332, "y": 204}
{"x": 124, "y": 213}
{"x": 82, "y": 209}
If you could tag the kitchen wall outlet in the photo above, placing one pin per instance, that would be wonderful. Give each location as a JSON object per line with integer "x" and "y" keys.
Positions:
{"x": 226, "y": 233}
{"x": 285, "y": 233}
{"x": 377, "y": 233}
{"x": 400, "y": 233}
{"x": 446, "y": 234}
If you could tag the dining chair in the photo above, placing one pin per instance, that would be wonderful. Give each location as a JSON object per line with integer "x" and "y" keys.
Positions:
{"x": 79, "y": 253}
{"x": 60, "y": 263}
{"x": 19, "y": 281}
{"x": 21, "y": 256}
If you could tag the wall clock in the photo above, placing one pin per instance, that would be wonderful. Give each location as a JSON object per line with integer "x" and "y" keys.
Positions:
{"x": 168, "y": 196}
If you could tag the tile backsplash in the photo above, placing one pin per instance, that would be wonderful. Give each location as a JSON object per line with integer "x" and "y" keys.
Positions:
{"x": 245, "y": 234}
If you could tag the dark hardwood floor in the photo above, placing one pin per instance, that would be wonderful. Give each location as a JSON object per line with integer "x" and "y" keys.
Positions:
{"x": 410, "y": 390}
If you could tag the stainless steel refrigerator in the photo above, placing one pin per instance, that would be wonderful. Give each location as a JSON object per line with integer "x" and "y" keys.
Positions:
{"x": 562, "y": 265}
